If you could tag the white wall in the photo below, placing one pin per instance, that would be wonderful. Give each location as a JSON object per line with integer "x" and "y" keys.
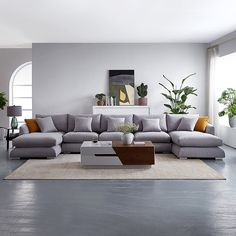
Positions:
{"x": 10, "y": 60}
{"x": 67, "y": 76}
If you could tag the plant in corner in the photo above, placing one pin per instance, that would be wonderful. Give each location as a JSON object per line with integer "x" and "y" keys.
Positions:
{"x": 178, "y": 96}
{"x": 3, "y": 100}
{"x": 100, "y": 99}
{"x": 142, "y": 92}
{"x": 127, "y": 129}
{"x": 228, "y": 99}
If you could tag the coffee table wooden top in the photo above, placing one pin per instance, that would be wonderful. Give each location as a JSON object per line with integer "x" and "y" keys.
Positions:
{"x": 135, "y": 154}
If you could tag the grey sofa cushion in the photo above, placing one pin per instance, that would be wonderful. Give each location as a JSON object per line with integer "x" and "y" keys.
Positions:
{"x": 95, "y": 121}
{"x": 104, "y": 120}
{"x": 113, "y": 123}
{"x": 23, "y": 129}
{"x": 195, "y": 139}
{"x": 60, "y": 121}
{"x": 83, "y": 124}
{"x": 46, "y": 125}
{"x": 79, "y": 137}
{"x": 138, "y": 120}
{"x": 173, "y": 120}
{"x": 187, "y": 124}
{"x": 155, "y": 137}
{"x": 151, "y": 125}
{"x": 38, "y": 140}
{"x": 198, "y": 152}
{"x": 110, "y": 136}
{"x": 36, "y": 152}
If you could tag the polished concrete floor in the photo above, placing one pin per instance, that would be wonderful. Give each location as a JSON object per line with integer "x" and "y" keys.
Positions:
{"x": 108, "y": 208}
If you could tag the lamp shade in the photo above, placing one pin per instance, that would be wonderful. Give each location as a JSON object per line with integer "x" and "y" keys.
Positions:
{"x": 14, "y": 111}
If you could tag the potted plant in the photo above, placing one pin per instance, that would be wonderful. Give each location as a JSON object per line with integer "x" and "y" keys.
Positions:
{"x": 142, "y": 92}
{"x": 127, "y": 129}
{"x": 228, "y": 99}
{"x": 100, "y": 99}
{"x": 178, "y": 96}
{"x": 3, "y": 100}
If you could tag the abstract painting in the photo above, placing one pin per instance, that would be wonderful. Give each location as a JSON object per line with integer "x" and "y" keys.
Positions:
{"x": 121, "y": 86}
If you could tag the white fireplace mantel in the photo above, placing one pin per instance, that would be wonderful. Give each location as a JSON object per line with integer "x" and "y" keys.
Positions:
{"x": 121, "y": 110}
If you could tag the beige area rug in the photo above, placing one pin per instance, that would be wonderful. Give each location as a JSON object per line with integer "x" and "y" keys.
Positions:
{"x": 68, "y": 166}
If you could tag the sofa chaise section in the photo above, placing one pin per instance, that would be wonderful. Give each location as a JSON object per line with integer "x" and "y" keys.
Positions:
{"x": 193, "y": 144}
{"x": 34, "y": 145}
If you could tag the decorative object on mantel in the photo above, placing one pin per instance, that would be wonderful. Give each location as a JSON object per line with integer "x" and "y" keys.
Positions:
{"x": 178, "y": 96}
{"x": 127, "y": 129}
{"x": 3, "y": 100}
{"x": 100, "y": 99}
{"x": 228, "y": 99}
{"x": 142, "y": 92}
{"x": 14, "y": 111}
{"x": 121, "y": 86}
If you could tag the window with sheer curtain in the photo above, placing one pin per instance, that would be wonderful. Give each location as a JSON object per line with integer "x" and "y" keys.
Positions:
{"x": 21, "y": 90}
{"x": 226, "y": 78}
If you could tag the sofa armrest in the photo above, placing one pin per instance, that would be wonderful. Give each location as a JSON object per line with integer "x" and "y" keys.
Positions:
{"x": 210, "y": 129}
{"x": 23, "y": 129}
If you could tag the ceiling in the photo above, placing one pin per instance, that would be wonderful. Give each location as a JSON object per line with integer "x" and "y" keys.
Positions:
{"x": 23, "y": 22}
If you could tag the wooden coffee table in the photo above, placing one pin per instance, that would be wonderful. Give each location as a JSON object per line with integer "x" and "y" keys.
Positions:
{"x": 114, "y": 153}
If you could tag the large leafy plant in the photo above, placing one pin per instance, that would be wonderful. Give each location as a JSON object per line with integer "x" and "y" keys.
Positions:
{"x": 178, "y": 96}
{"x": 228, "y": 99}
{"x": 3, "y": 100}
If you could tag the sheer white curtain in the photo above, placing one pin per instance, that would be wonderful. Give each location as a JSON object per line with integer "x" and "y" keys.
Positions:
{"x": 212, "y": 83}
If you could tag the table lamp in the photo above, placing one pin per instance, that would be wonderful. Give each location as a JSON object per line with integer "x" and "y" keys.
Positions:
{"x": 13, "y": 111}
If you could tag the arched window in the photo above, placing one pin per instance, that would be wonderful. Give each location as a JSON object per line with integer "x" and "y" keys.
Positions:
{"x": 21, "y": 90}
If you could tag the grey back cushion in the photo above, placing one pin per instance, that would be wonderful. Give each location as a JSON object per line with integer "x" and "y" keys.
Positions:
{"x": 113, "y": 123}
{"x": 173, "y": 120}
{"x": 104, "y": 120}
{"x": 83, "y": 124}
{"x": 138, "y": 120}
{"x": 95, "y": 121}
{"x": 187, "y": 124}
{"x": 60, "y": 121}
{"x": 46, "y": 124}
{"x": 151, "y": 125}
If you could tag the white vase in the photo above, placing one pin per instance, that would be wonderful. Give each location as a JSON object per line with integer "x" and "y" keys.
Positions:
{"x": 232, "y": 122}
{"x": 127, "y": 138}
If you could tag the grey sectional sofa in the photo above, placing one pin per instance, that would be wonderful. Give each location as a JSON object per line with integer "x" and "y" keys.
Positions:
{"x": 183, "y": 144}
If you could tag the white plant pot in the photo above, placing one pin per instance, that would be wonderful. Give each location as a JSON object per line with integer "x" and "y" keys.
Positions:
{"x": 127, "y": 138}
{"x": 232, "y": 122}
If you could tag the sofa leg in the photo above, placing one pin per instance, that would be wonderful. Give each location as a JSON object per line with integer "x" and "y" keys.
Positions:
{"x": 183, "y": 158}
{"x": 218, "y": 158}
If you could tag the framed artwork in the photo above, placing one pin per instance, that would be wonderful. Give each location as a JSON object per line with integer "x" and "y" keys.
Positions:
{"x": 121, "y": 86}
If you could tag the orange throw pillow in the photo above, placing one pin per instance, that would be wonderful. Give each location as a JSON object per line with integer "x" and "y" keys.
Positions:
{"x": 32, "y": 125}
{"x": 201, "y": 124}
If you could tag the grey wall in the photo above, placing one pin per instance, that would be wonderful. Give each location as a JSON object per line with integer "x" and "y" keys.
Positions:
{"x": 10, "y": 60}
{"x": 226, "y": 44}
{"x": 66, "y": 76}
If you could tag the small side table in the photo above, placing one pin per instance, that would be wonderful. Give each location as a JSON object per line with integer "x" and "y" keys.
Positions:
{"x": 10, "y": 136}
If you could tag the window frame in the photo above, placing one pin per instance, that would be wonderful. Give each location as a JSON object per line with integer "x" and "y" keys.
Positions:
{"x": 11, "y": 88}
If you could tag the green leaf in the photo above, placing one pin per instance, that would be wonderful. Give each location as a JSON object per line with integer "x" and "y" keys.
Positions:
{"x": 168, "y": 105}
{"x": 184, "y": 79}
{"x": 165, "y": 87}
{"x": 167, "y": 96}
{"x": 183, "y": 98}
{"x": 172, "y": 84}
